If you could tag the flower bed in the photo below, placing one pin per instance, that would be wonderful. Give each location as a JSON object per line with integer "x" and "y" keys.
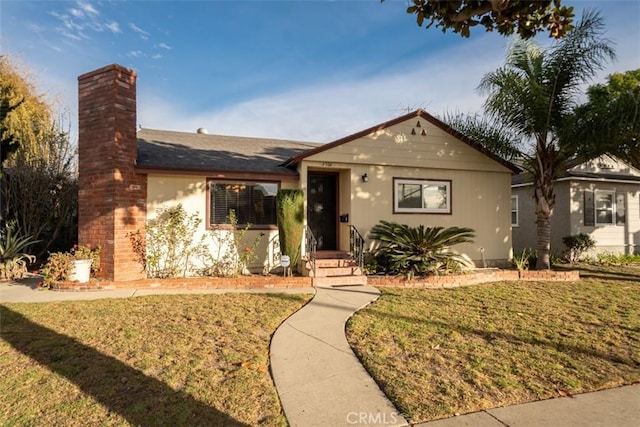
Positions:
{"x": 472, "y": 278}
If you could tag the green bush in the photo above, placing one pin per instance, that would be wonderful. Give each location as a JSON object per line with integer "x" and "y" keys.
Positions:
{"x": 609, "y": 258}
{"x": 523, "y": 259}
{"x": 13, "y": 258}
{"x": 170, "y": 243}
{"x": 577, "y": 245}
{"x": 290, "y": 211}
{"x": 420, "y": 250}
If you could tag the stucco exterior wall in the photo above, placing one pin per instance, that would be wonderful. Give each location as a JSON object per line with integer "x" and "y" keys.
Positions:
{"x": 191, "y": 191}
{"x": 480, "y": 187}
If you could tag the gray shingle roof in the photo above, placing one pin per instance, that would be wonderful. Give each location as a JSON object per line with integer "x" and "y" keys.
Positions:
{"x": 526, "y": 178}
{"x": 160, "y": 149}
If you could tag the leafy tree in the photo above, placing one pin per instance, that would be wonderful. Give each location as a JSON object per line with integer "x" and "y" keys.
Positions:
{"x": 533, "y": 97}
{"x": 524, "y": 18}
{"x": 610, "y": 119}
{"x": 25, "y": 116}
{"x": 38, "y": 186}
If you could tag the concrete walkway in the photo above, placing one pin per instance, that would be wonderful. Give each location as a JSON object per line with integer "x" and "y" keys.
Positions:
{"x": 616, "y": 407}
{"x": 319, "y": 379}
{"x": 26, "y": 290}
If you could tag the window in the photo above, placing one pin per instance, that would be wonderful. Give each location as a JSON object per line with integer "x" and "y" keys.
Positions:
{"x": 421, "y": 196}
{"x": 514, "y": 211}
{"x": 252, "y": 202}
{"x": 604, "y": 207}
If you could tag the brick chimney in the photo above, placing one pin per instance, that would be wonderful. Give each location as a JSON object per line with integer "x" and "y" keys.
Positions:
{"x": 112, "y": 197}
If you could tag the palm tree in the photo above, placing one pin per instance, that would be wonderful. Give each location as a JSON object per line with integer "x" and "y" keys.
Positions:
{"x": 534, "y": 95}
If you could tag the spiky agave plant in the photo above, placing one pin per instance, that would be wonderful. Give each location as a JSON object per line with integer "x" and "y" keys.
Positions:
{"x": 420, "y": 250}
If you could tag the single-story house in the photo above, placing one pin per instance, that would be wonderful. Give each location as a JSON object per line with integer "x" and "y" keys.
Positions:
{"x": 413, "y": 169}
{"x": 600, "y": 197}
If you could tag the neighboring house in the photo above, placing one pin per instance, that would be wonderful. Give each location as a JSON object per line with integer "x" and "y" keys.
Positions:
{"x": 600, "y": 198}
{"x": 413, "y": 169}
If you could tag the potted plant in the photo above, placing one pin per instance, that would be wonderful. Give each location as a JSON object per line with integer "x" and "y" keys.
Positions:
{"x": 77, "y": 265}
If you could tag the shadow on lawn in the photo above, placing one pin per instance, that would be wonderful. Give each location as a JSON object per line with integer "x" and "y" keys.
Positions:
{"x": 140, "y": 399}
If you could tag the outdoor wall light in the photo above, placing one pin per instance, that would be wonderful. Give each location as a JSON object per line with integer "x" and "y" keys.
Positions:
{"x": 365, "y": 178}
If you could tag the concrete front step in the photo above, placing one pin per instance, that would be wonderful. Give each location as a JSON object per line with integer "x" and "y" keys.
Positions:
{"x": 336, "y": 271}
{"x": 334, "y": 263}
{"x": 339, "y": 281}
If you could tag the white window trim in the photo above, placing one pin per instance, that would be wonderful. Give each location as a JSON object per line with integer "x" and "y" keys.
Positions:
{"x": 517, "y": 211}
{"x": 613, "y": 207}
{"x": 398, "y": 210}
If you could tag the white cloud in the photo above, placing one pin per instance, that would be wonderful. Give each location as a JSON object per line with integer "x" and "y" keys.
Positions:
{"x": 88, "y": 8}
{"x": 164, "y": 46}
{"x": 79, "y": 21}
{"x": 114, "y": 27}
{"x": 327, "y": 111}
{"x": 143, "y": 34}
{"x": 135, "y": 53}
{"x": 156, "y": 56}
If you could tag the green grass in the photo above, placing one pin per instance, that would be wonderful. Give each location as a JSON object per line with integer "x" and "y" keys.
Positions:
{"x": 153, "y": 361}
{"x": 437, "y": 353}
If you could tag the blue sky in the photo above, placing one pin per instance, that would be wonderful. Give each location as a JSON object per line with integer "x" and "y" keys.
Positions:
{"x": 306, "y": 70}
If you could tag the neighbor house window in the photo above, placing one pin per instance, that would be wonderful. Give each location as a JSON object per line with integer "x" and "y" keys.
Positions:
{"x": 514, "y": 211}
{"x": 421, "y": 196}
{"x": 605, "y": 207}
{"x": 251, "y": 202}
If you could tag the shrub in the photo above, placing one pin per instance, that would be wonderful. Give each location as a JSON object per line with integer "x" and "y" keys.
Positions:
{"x": 290, "y": 212}
{"x": 233, "y": 254}
{"x": 13, "y": 258}
{"x": 577, "y": 245}
{"x": 609, "y": 258}
{"x": 59, "y": 265}
{"x": 169, "y": 242}
{"x": 420, "y": 250}
{"x": 522, "y": 259}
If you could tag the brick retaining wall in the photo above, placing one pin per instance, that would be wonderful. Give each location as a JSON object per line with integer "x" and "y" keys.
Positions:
{"x": 244, "y": 282}
{"x": 278, "y": 282}
{"x": 472, "y": 278}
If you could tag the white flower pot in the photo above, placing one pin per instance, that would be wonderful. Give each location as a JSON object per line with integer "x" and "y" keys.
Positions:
{"x": 81, "y": 271}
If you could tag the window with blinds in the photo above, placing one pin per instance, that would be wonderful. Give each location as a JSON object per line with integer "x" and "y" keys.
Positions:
{"x": 252, "y": 202}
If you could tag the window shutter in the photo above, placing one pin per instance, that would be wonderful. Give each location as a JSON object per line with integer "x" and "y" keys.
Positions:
{"x": 589, "y": 212}
{"x": 621, "y": 211}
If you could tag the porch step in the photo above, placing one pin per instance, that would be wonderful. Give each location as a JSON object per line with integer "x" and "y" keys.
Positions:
{"x": 330, "y": 271}
{"x": 335, "y": 268}
{"x": 335, "y": 263}
{"x": 339, "y": 281}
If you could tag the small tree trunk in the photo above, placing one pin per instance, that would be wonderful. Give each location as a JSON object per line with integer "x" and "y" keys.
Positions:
{"x": 543, "y": 242}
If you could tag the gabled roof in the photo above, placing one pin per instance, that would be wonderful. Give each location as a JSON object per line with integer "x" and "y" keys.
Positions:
{"x": 575, "y": 172}
{"x": 418, "y": 113}
{"x": 180, "y": 151}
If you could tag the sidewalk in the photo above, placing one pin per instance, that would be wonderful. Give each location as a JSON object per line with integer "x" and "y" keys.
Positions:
{"x": 319, "y": 379}
{"x": 26, "y": 290}
{"x": 616, "y": 407}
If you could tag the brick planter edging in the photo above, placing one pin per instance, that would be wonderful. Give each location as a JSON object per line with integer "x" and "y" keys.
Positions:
{"x": 473, "y": 278}
{"x": 244, "y": 282}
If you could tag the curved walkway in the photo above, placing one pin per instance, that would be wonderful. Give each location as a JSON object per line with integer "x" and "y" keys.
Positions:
{"x": 319, "y": 379}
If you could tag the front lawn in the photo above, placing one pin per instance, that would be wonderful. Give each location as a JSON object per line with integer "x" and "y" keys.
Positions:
{"x": 437, "y": 353}
{"x": 154, "y": 361}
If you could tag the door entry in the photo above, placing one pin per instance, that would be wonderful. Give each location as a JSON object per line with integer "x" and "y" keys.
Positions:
{"x": 322, "y": 214}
